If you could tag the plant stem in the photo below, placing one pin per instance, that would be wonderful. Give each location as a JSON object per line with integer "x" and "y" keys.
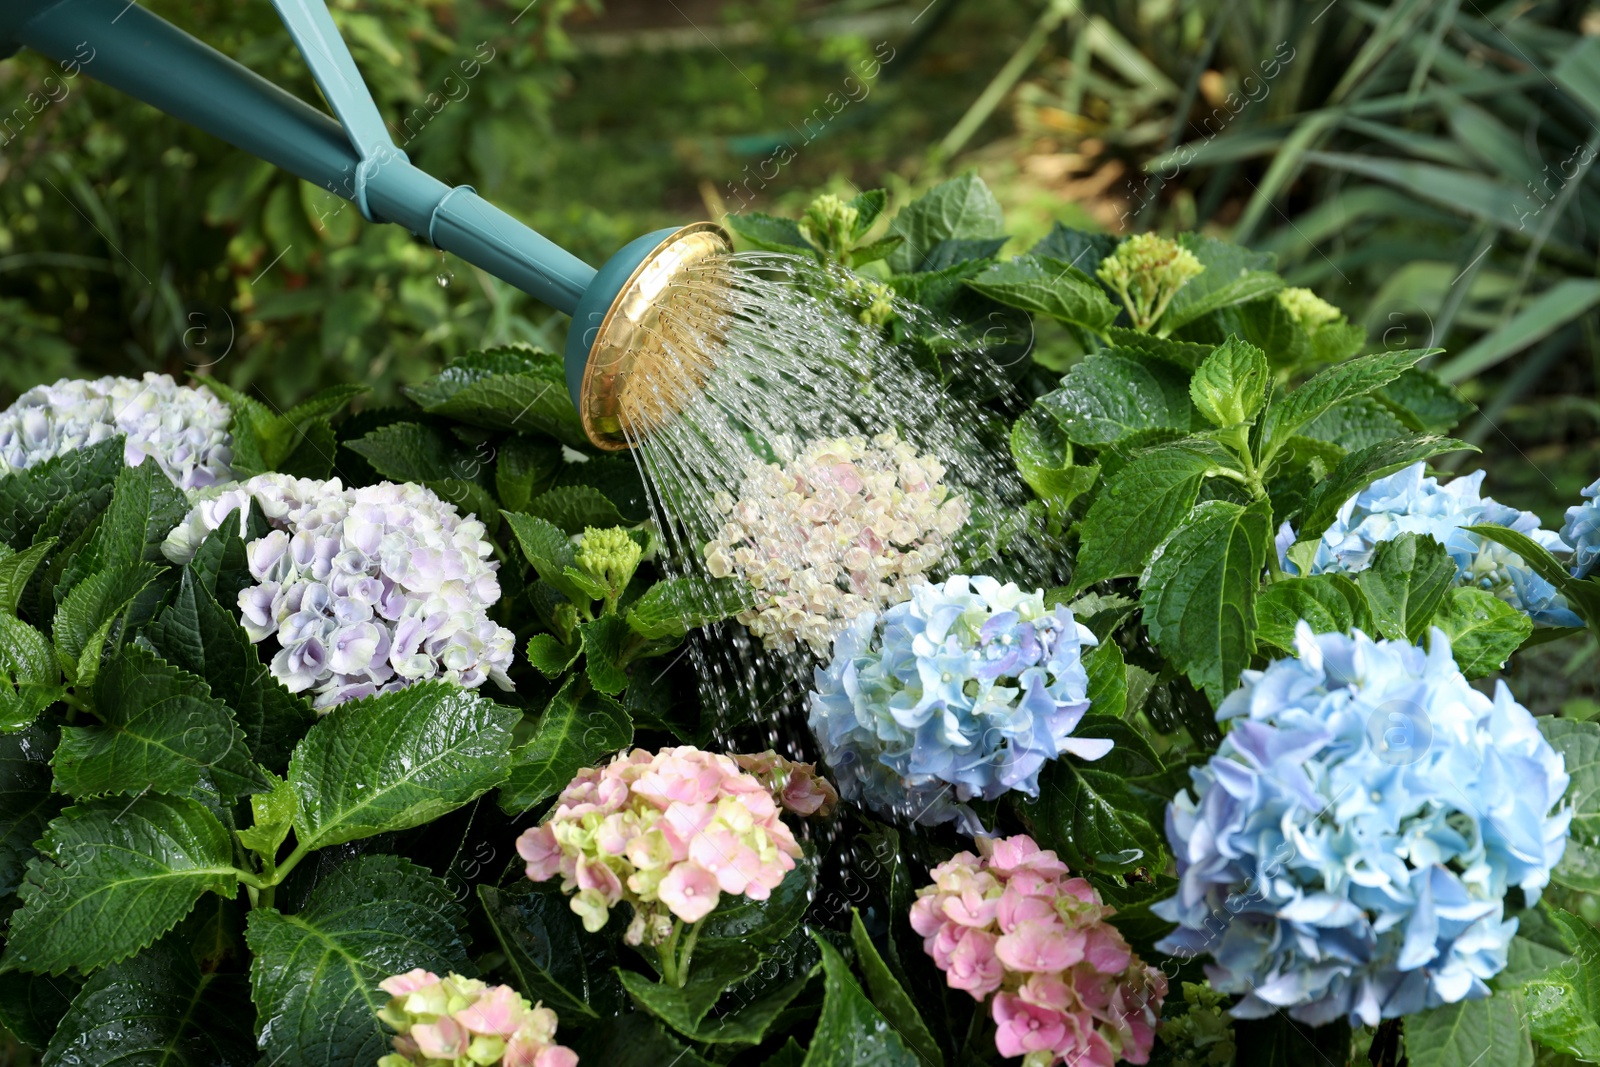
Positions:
{"x": 688, "y": 953}
{"x": 667, "y": 951}
{"x": 300, "y": 852}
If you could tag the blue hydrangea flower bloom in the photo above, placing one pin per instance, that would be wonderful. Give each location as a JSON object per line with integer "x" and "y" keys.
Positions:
{"x": 1409, "y": 502}
{"x": 963, "y": 691}
{"x": 1582, "y": 532}
{"x": 1348, "y": 849}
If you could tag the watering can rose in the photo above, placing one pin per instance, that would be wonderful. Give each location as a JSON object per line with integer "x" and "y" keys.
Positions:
{"x": 1066, "y": 986}
{"x": 843, "y": 527}
{"x": 964, "y": 691}
{"x": 668, "y": 833}
{"x": 366, "y": 590}
{"x": 185, "y": 430}
{"x": 1348, "y": 850}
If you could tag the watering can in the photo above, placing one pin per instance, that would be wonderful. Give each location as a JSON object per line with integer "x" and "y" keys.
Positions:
{"x": 615, "y": 310}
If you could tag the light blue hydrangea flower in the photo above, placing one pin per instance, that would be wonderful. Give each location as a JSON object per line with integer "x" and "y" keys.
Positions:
{"x": 1348, "y": 849}
{"x": 1409, "y": 502}
{"x": 1582, "y": 532}
{"x": 963, "y": 691}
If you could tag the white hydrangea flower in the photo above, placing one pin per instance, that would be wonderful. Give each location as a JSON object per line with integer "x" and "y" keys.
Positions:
{"x": 366, "y": 590}
{"x": 281, "y": 498}
{"x": 847, "y": 526}
{"x": 184, "y": 429}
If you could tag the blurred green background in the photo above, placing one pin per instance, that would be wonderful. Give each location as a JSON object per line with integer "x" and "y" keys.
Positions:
{"x": 1425, "y": 164}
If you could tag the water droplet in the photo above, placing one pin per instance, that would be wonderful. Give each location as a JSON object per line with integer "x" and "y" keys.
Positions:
{"x": 444, "y": 277}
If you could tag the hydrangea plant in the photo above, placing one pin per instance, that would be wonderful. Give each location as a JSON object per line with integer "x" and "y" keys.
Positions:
{"x": 184, "y": 429}
{"x": 1012, "y": 924}
{"x": 962, "y": 692}
{"x": 186, "y": 842}
{"x": 843, "y": 526}
{"x": 1347, "y": 851}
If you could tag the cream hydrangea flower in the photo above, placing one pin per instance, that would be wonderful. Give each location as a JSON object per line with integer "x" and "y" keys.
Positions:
{"x": 845, "y": 526}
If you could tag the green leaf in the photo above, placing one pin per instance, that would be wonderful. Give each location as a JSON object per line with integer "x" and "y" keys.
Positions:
{"x": 196, "y": 633}
{"x": 397, "y": 760}
{"x": 145, "y": 505}
{"x": 30, "y": 679}
{"x": 851, "y": 1032}
{"x": 158, "y": 1010}
{"x": 740, "y": 920}
{"x": 550, "y": 553}
{"x": 1137, "y": 508}
{"x": 1230, "y": 387}
{"x": 571, "y": 508}
{"x": 324, "y": 404}
{"x": 1483, "y": 629}
{"x": 1185, "y": 355}
{"x": 1406, "y": 583}
{"x": 1233, "y": 275}
{"x": 1484, "y": 1033}
{"x": 550, "y": 657}
{"x": 890, "y": 997}
{"x": 633, "y": 1040}
{"x": 522, "y": 467}
{"x": 1425, "y": 402}
{"x": 769, "y": 233}
{"x": 573, "y": 733}
{"x": 1044, "y": 460}
{"x": 84, "y": 620}
{"x": 15, "y": 570}
{"x": 1108, "y": 679}
{"x": 1337, "y": 384}
{"x": 549, "y": 955}
{"x": 412, "y": 452}
{"x": 1360, "y": 469}
{"x": 1564, "y": 1003}
{"x": 160, "y": 730}
{"x": 1090, "y": 816}
{"x": 27, "y": 804}
{"x": 315, "y": 975}
{"x": 673, "y": 607}
{"x": 475, "y": 366}
{"x": 113, "y": 876}
{"x": 685, "y": 1009}
{"x": 603, "y": 641}
{"x": 1114, "y": 394}
{"x": 1352, "y": 425}
{"x": 273, "y": 812}
{"x": 1329, "y": 603}
{"x": 1579, "y": 745}
{"x": 31, "y": 1005}
{"x": 1199, "y": 592}
{"x": 28, "y": 497}
{"x": 535, "y": 402}
{"x": 1048, "y": 287}
{"x": 960, "y": 207}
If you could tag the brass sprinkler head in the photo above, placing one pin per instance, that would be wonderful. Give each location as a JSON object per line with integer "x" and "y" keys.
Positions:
{"x": 641, "y": 338}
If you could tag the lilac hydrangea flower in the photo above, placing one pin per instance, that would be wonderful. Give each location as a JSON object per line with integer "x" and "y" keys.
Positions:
{"x": 1410, "y": 502}
{"x": 1582, "y": 532}
{"x": 1348, "y": 849}
{"x": 185, "y": 430}
{"x": 963, "y": 691}
{"x": 366, "y": 590}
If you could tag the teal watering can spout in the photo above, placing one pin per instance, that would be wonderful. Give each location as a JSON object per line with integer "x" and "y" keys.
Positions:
{"x": 613, "y": 309}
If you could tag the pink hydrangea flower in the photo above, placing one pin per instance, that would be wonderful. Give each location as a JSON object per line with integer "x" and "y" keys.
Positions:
{"x": 1014, "y": 923}
{"x": 669, "y": 833}
{"x": 796, "y": 786}
{"x": 462, "y": 1020}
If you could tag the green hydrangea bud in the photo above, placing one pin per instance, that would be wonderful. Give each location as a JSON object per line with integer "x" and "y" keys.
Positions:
{"x": 830, "y": 223}
{"x": 875, "y": 299}
{"x": 1203, "y": 1035}
{"x": 1308, "y": 309}
{"x": 609, "y": 556}
{"x": 1146, "y": 271}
